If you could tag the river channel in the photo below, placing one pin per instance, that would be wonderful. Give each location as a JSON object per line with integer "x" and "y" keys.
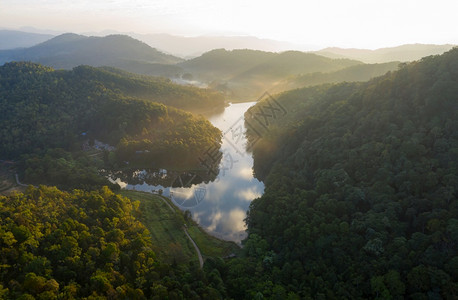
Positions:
{"x": 218, "y": 206}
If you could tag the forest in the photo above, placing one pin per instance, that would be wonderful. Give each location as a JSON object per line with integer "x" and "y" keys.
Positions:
{"x": 361, "y": 189}
{"x": 88, "y": 245}
{"x": 246, "y": 74}
{"x": 44, "y": 110}
{"x": 361, "y": 181}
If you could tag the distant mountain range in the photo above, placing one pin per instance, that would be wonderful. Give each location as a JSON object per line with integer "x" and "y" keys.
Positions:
{"x": 222, "y": 64}
{"x": 361, "y": 72}
{"x": 245, "y": 74}
{"x": 189, "y": 47}
{"x": 69, "y": 50}
{"x": 404, "y": 53}
{"x": 10, "y": 39}
{"x": 242, "y": 74}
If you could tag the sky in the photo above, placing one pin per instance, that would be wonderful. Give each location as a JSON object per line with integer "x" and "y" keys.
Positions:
{"x": 351, "y": 24}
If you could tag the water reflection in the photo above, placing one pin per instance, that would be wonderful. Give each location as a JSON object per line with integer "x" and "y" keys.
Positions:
{"x": 217, "y": 202}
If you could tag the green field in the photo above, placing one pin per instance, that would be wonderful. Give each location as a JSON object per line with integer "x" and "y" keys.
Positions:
{"x": 166, "y": 227}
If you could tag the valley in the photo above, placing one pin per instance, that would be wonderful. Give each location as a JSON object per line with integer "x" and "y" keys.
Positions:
{"x": 131, "y": 173}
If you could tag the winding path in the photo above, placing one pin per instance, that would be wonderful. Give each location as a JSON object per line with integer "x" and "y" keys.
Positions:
{"x": 19, "y": 183}
{"x": 167, "y": 203}
{"x": 201, "y": 260}
{"x": 199, "y": 255}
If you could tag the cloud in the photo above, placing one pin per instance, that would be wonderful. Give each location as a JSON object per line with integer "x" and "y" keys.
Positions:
{"x": 246, "y": 173}
{"x": 215, "y": 220}
{"x": 248, "y": 194}
{"x": 196, "y": 215}
{"x": 235, "y": 220}
{"x": 229, "y": 223}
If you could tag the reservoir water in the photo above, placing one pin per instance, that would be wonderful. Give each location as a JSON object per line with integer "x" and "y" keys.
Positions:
{"x": 218, "y": 206}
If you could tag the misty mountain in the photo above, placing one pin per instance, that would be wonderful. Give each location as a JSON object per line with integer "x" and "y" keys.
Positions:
{"x": 362, "y": 72}
{"x": 11, "y": 39}
{"x": 70, "y": 50}
{"x": 268, "y": 75}
{"x": 198, "y": 45}
{"x": 225, "y": 64}
{"x": 295, "y": 62}
{"x": 403, "y": 53}
{"x": 245, "y": 74}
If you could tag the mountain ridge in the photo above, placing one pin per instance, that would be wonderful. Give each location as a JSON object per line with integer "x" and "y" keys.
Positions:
{"x": 70, "y": 50}
{"x": 12, "y": 39}
{"x": 403, "y": 53}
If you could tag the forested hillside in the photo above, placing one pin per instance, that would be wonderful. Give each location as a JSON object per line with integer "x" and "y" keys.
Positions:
{"x": 361, "y": 72}
{"x": 361, "y": 190}
{"x": 222, "y": 64}
{"x": 246, "y": 74}
{"x": 88, "y": 245}
{"x": 156, "y": 89}
{"x": 43, "y": 109}
{"x": 295, "y": 62}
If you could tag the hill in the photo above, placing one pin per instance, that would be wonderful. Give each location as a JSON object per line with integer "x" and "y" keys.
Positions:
{"x": 11, "y": 39}
{"x": 69, "y": 50}
{"x": 295, "y": 62}
{"x": 403, "y": 53}
{"x": 362, "y": 72}
{"x": 156, "y": 89}
{"x": 198, "y": 45}
{"x": 78, "y": 245}
{"x": 361, "y": 188}
{"x": 268, "y": 75}
{"x": 245, "y": 74}
{"x": 47, "y": 116}
{"x": 223, "y": 64}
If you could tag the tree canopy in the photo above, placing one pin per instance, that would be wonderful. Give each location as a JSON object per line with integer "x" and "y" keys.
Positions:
{"x": 88, "y": 245}
{"x": 44, "y": 109}
{"x": 361, "y": 189}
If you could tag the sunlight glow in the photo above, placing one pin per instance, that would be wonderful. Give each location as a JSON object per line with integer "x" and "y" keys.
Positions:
{"x": 353, "y": 23}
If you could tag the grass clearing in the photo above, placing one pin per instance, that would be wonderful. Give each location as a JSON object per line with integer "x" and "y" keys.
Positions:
{"x": 209, "y": 245}
{"x": 169, "y": 241}
{"x": 166, "y": 227}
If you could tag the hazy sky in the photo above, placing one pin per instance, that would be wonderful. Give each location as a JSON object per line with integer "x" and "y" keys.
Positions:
{"x": 353, "y": 23}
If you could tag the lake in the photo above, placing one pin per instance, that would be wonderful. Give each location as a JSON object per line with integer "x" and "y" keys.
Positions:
{"x": 218, "y": 206}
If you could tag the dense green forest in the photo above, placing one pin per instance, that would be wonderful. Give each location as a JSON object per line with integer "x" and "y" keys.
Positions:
{"x": 91, "y": 245}
{"x": 360, "y": 200}
{"x": 361, "y": 190}
{"x": 156, "y": 89}
{"x": 117, "y": 55}
{"x": 44, "y": 109}
{"x": 65, "y": 169}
